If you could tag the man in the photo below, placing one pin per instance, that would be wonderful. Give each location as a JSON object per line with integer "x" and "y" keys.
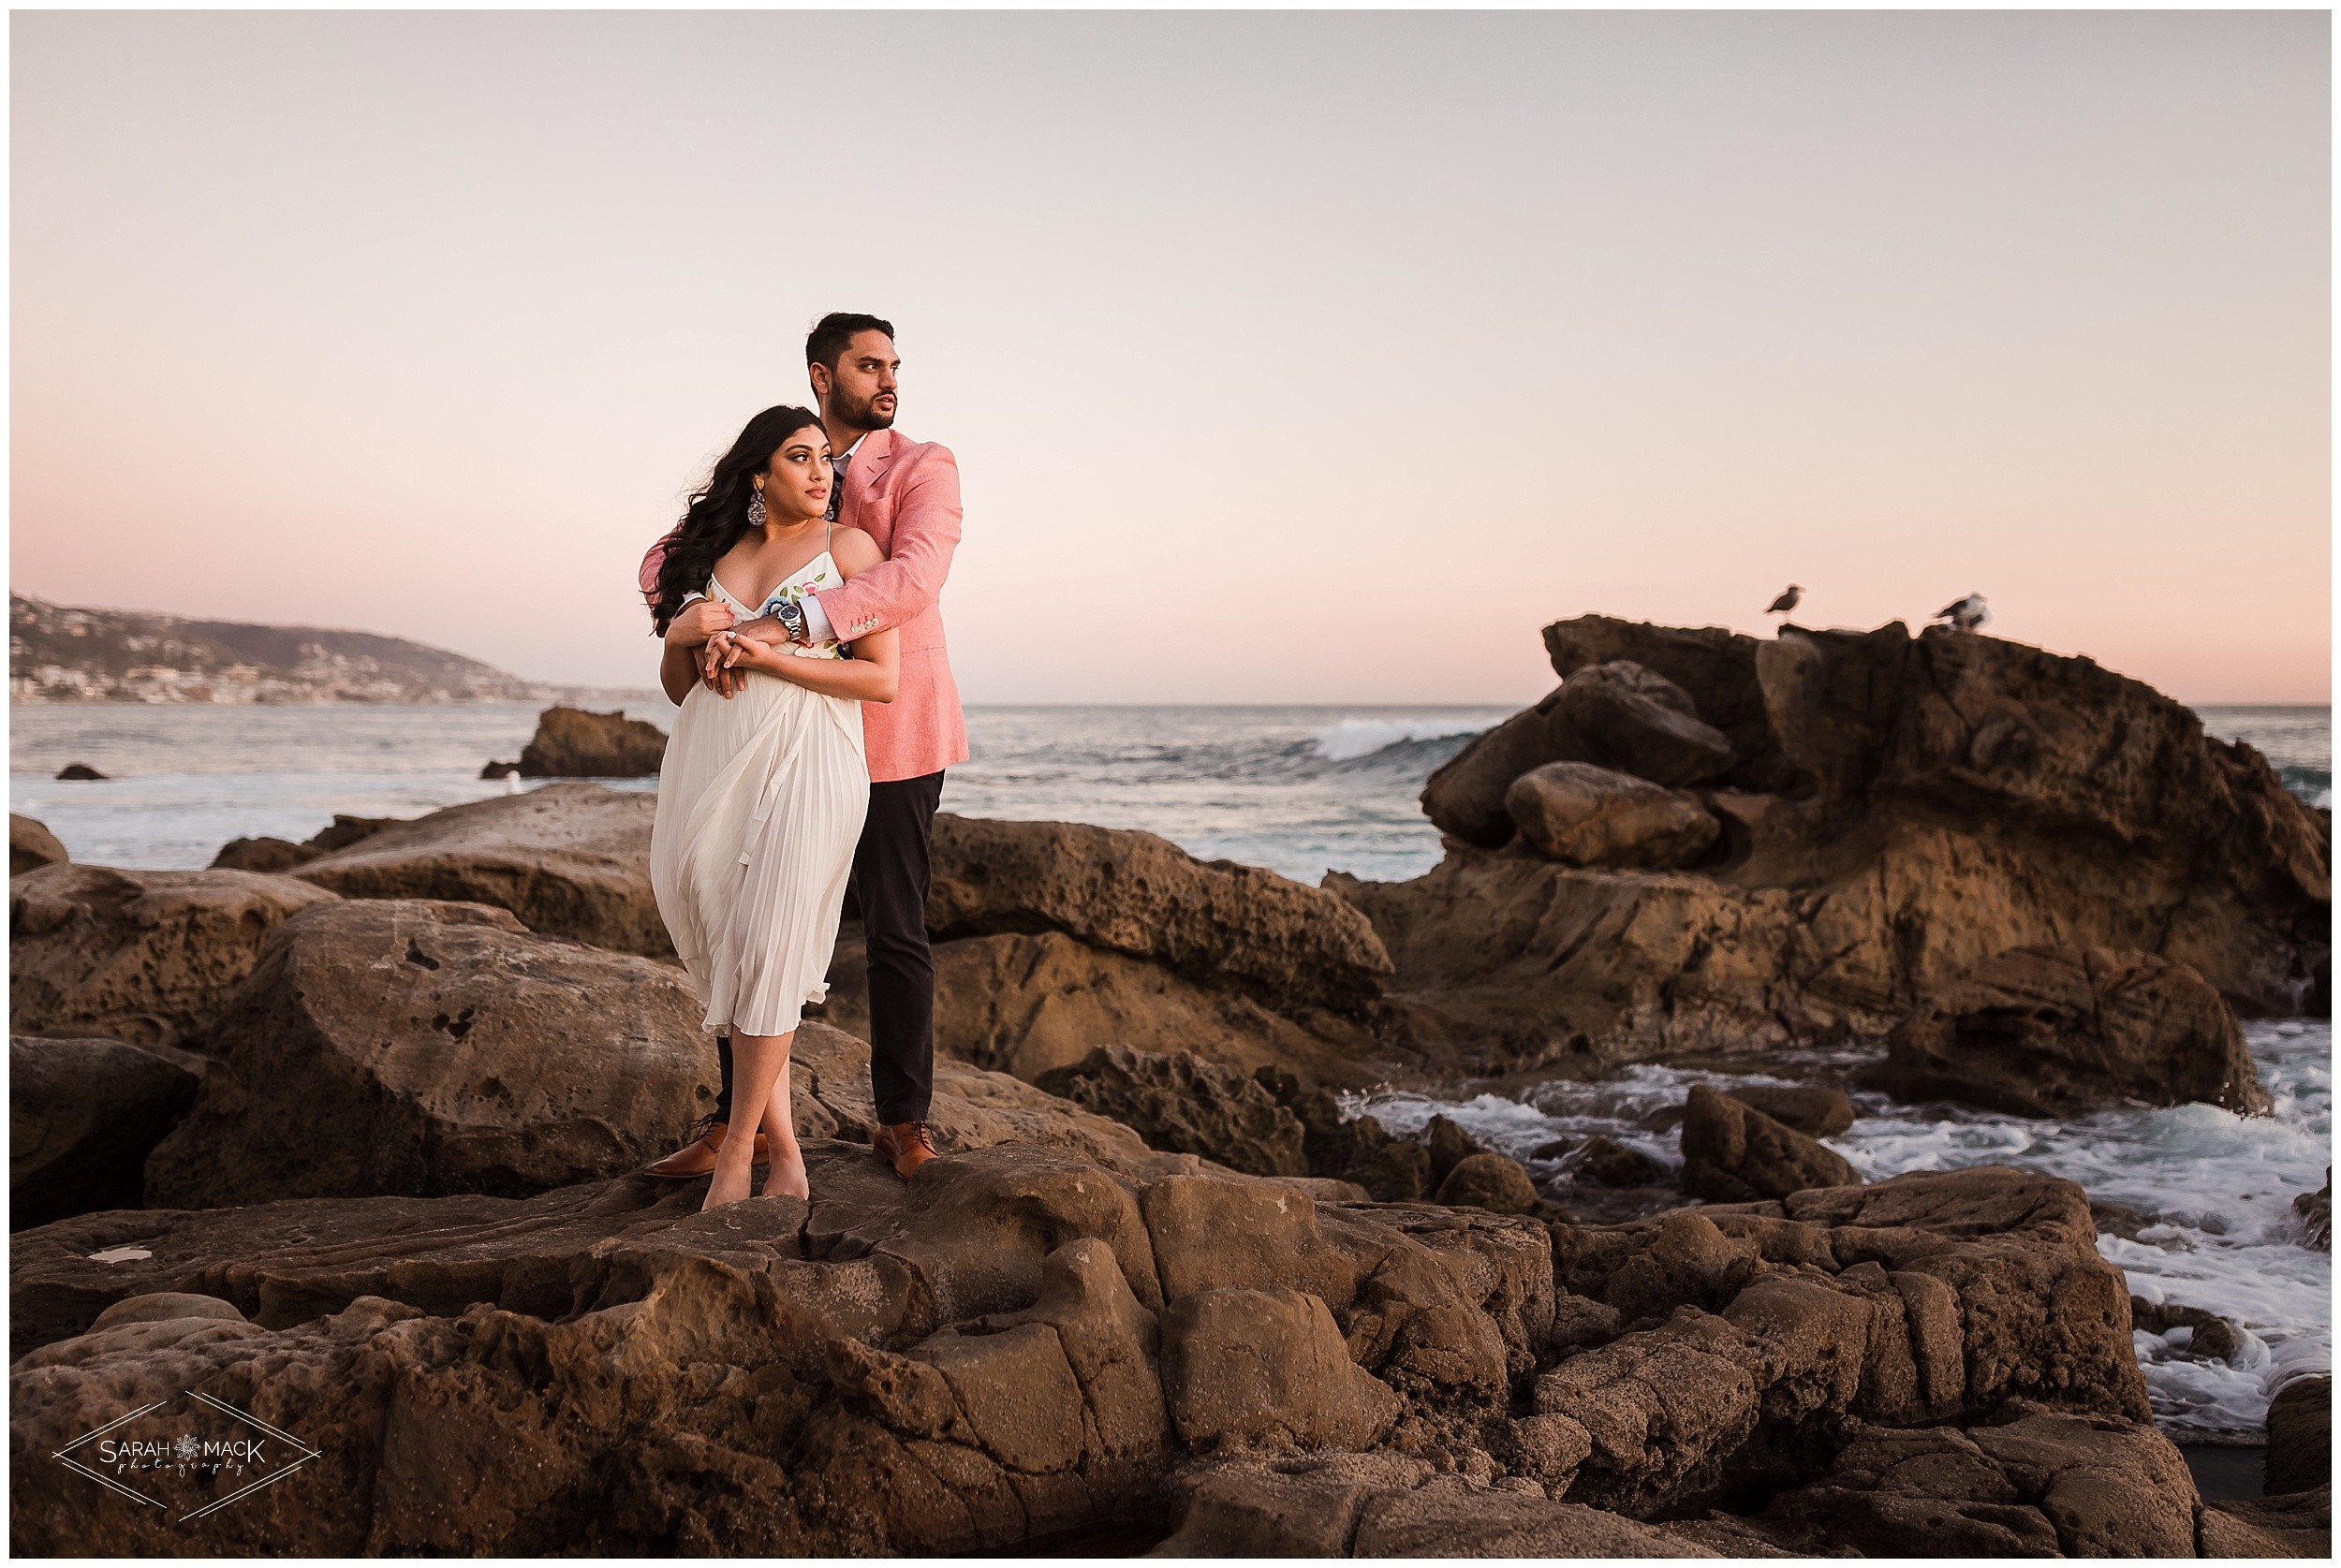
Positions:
{"x": 904, "y": 494}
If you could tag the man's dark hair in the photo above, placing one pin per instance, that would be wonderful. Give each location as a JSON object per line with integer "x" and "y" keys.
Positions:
{"x": 826, "y": 344}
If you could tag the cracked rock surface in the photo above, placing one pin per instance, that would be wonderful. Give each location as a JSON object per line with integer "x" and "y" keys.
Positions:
{"x": 1039, "y": 1341}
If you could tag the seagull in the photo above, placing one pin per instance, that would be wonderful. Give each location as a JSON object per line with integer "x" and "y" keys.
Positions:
{"x": 1786, "y": 601}
{"x": 1966, "y": 614}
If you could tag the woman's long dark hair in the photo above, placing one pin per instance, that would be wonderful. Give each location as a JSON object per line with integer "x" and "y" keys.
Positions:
{"x": 717, "y": 515}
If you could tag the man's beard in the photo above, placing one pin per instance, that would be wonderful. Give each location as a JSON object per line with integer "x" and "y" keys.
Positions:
{"x": 865, "y": 414}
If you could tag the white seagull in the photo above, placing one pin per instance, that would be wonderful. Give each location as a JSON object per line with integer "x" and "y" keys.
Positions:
{"x": 1966, "y": 614}
{"x": 1786, "y": 601}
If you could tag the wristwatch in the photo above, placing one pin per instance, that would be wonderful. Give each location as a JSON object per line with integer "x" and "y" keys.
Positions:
{"x": 791, "y": 617}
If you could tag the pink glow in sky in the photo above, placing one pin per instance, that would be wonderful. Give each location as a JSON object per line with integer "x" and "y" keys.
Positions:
{"x": 1287, "y": 358}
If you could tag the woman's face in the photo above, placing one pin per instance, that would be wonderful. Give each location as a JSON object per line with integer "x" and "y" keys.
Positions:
{"x": 797, "y": 482}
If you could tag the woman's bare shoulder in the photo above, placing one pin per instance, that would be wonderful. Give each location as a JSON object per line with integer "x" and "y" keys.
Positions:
{"x": 854, "y": 551}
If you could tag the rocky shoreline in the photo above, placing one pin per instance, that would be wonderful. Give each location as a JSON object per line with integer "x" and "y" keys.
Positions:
{"x": 341, "y": 1134}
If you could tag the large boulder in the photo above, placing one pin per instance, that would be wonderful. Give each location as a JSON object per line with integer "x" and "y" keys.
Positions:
{"x": 1185, "y": 1104}
{"x": 2299, "y": 1435}
{"x": 1496, "y": 1182}
{"x": 409, "y": 1047}
{"x": 1359, "y": 1149}
{"x": 1900, "y": 811}
{"x": 2049, "y": 1031}
{"x": 1137, "y": 894}
{"x": 1641, "y": 723}
{"x": 2047, "y": 1484}
{"x": 572, "y": 743}
{"x": 1814, "y": 1109}
{"x": 82, "y": 1117}
{"x": 32, "y": 846}
{"x": 1584, "y": 816}
{"x": 1713, "y": 667}
{"x": 148, "y": 957}
{"x": 1466, "y": 795}
{"x": 1733, "y": 1152}
{"x": 569, "y": 860}
{"x": 264, "y": 854}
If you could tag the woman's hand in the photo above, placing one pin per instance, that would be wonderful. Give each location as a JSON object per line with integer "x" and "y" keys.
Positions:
{"x": 715, "y": 658}
{"x": 697, "y": 621}
{"x": 745, "y": 650}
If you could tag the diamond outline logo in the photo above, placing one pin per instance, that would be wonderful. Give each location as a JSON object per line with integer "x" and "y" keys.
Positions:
{"x": 65, "y": 1454}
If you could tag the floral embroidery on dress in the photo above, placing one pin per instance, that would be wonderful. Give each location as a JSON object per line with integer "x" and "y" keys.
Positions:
{"x": 793, "y": 592}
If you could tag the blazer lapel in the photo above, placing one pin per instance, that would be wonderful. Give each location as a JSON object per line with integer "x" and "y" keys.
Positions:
{"x": 863, "y": 473}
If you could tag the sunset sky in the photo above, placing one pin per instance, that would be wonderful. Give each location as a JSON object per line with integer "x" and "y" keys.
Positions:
{"x": 1301, "y": 356}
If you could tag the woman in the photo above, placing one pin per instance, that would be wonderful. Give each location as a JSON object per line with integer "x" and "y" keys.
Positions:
{"x": 762, "y": 795}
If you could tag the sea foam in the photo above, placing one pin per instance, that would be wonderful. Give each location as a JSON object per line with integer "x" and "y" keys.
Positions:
{"x": 1352, "y": 739}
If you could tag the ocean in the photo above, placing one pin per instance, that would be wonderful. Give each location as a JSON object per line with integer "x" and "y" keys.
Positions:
{"x": 1305, "y": 791}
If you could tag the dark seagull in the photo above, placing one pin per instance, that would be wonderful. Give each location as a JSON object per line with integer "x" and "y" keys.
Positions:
{"x": 1786, "y": 601}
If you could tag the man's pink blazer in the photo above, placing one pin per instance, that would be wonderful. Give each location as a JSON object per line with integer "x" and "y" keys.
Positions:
{"x": 904, "y": 494}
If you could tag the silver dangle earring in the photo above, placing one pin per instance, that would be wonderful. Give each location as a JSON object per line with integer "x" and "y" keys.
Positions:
{"x": 756, "y": 514}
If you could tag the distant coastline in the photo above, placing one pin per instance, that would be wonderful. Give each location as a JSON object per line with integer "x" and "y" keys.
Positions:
{"x": 61, "y": 653}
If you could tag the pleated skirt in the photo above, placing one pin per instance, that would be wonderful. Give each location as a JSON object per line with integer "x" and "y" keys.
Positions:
{"x": 760, "y": 802}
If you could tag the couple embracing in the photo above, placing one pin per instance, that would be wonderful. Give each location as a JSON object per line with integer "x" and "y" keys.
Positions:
{"x": 802, "y": 642}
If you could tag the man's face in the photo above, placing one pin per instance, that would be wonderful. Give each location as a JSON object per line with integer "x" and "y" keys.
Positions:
{"x": 860, "y": 390}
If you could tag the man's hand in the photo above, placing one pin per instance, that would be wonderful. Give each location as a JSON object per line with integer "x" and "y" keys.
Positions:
{"x": 696, "y": 622}
{"x": 764, "y": 628}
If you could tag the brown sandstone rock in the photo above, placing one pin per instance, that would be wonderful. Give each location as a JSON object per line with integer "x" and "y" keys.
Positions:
{"x": 32, "y": 846}
{"x": 1584, "y": 816}
{"x": 166, "y": 1307}
{"x": 1186, "y": 1105}
{"x": 2290, "y": 1524}
{"x": 1603, "y": 1159}
{"x": 569, "y": 860}
{"x": 2213, "y": 1337}
{"x": 1030, "y": 1004}
{"x": 2046, "y": 1483}
{"x": 1496, "y": 1182}
{"x": 1642, "y": 724}
{"x": 1731, "y": 1152}
{"x": 1138, "y": 894}
{"x": 148, "y": 957}
{"x": 1448, "y": 1144}
{"x": 1958, "y": 796}
{"x": 1355, "y": 1149}
{"x": 1713, "y": 667}
{"x": 2299, "y": 1435}
{"x": 973, "y": 1108}
{"x": 1814, "y": 1109}
{"x": 82, "y": 1116}
{"x": 2316, "y": 1213}
{"x": 1466, "y": 795}
{"x": 1377, "y": 1505}
{"x": 1267, "y": 1366}
{"x": 273, "y": 857}
{"x": 411, "y": 1047}
{"x": 2049, "y": 1031}
{"x": 1023, "y": 1344}
{"x": 571, "y": 743}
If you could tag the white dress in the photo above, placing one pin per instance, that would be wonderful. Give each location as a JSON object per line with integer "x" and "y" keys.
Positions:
{"x": 760, "y": 802}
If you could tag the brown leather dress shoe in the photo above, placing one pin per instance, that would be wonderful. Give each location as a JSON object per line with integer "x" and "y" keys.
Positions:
{"x": 698, "y": 1157}
{"x": 905, "y": 1146}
